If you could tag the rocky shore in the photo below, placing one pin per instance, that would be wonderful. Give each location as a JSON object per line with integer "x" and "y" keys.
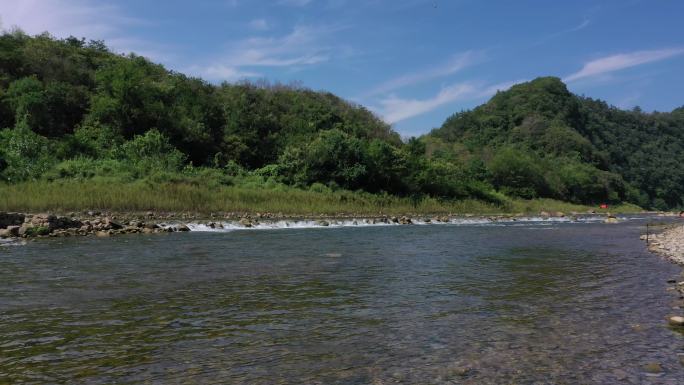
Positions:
{"x": 668, "y": 243}
{"x": 95, "y": 223}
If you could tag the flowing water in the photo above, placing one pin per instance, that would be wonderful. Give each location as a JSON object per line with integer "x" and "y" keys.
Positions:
{"x": 469, "y": 303}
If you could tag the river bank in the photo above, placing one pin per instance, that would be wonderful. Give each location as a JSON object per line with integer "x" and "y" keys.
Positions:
{"x": 669, "y": 243}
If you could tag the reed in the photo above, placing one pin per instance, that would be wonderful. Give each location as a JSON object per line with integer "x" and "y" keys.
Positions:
{"x": 73, "y": 195}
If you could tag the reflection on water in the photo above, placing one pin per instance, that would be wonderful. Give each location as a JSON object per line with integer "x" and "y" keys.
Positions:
{"x": 565, "y": 304}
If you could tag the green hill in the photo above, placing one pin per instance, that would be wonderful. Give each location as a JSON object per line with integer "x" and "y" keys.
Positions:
{"x": 538, "y": 139}
{"x": 71, "y": 111}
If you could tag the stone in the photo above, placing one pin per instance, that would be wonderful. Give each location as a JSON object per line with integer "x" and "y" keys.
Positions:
{"x": 323, "y": 223}
{"x": 11, "y": 219}
{"x": 245, "y": 222}
{"x": 676, "y": 320}
{"x": 183, "y": 228}
{"x": 24, "y": 229}
{"x": 653, "y": 368}
{"x": 9, "y": 232}
{"x": 611, "y": 220}
{"x": 108, "y": 224}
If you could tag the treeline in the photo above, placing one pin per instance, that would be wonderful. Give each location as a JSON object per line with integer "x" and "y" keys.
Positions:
{"x": 71, "y": 109}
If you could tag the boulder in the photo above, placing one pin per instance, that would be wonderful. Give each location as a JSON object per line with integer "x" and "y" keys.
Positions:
{"x": 109, "y": 224}
{"x": 246, "y": 222}
{"x": 676, "y": 320}
{"x": 53, "y": 222}
{"x": 183, "y": 228}
{"x": 405, "y": 221}
{"x": 11, "y": 219}
{"x": 653, "y": 368}
{"x": 24, "y": 229}
{"x": 9, "y": 232}
{"x": 323, "y": 223}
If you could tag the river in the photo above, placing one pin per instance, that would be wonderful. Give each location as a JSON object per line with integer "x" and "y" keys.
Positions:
{"x": 526, "y": 303}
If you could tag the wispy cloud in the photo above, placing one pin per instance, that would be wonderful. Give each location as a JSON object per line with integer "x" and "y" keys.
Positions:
{"x": 295, "y": 3}
{"x": 223, "y": 72}
{"x": 394, "y": 109}
{"x": 584, "y": 24}
{"x": 618, "y": 62}
{"x": 259, "y": 25}
{"x": 455, "y": 64}
{"x": 302, "y": 47}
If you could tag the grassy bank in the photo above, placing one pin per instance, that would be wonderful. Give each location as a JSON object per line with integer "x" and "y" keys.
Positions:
{"x": 72, "y": 195}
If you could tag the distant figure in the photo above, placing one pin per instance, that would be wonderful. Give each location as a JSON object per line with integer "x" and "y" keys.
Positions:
{"x": 603, "y": 206}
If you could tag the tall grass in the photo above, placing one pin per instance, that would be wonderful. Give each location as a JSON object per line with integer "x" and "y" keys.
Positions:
{"x": 73, "y": 195}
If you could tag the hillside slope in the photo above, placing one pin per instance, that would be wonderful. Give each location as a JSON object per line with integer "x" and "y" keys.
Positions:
{"x": 538, "y": 139}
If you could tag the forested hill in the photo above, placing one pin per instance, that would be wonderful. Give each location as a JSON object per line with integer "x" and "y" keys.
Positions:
{"x": 73, "y": 110}
{"x": 538, "y": 139}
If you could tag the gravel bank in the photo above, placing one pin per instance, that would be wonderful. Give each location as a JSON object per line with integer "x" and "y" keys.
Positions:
{"x": 669, "y": 243}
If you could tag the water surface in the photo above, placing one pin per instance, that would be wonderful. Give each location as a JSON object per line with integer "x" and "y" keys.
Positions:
{"x": 526, "y": 303}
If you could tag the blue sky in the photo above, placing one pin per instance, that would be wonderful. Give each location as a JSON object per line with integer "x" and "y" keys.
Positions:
{"x": 413, "y": 62}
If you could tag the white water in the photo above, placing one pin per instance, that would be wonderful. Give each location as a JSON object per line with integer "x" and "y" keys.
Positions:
{"x": 226, "y": 226}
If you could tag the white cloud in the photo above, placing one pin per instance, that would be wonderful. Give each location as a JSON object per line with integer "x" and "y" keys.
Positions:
{"x": 621, "y": 61}
{"x": 455, "y": 64}
{"x": 223, "y": 72}
{"x": 395, "y": 109}
{"x": 259, "y": 25}
{"x": 295, "y": 3}
{"x": 302, "y": 47}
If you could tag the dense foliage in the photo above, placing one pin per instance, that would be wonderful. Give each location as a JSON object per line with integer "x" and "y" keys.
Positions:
{"x": 539, "y": 140}
{"x": 73, "y": 109}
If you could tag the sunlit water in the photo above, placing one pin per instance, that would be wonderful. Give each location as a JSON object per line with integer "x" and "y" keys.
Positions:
{"x": 520, "y": 303}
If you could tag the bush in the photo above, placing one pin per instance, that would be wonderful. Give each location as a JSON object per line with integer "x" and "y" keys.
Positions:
{"x": 26, "y": 154}
{"x": 152, "y": 152}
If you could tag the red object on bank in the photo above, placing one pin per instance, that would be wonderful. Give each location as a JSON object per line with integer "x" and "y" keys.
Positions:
{"x": 604, "y": 206}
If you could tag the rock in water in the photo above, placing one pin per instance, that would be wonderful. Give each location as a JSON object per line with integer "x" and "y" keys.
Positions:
{"x": 676, "y": 320}
{"x": 653, "y": 368}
